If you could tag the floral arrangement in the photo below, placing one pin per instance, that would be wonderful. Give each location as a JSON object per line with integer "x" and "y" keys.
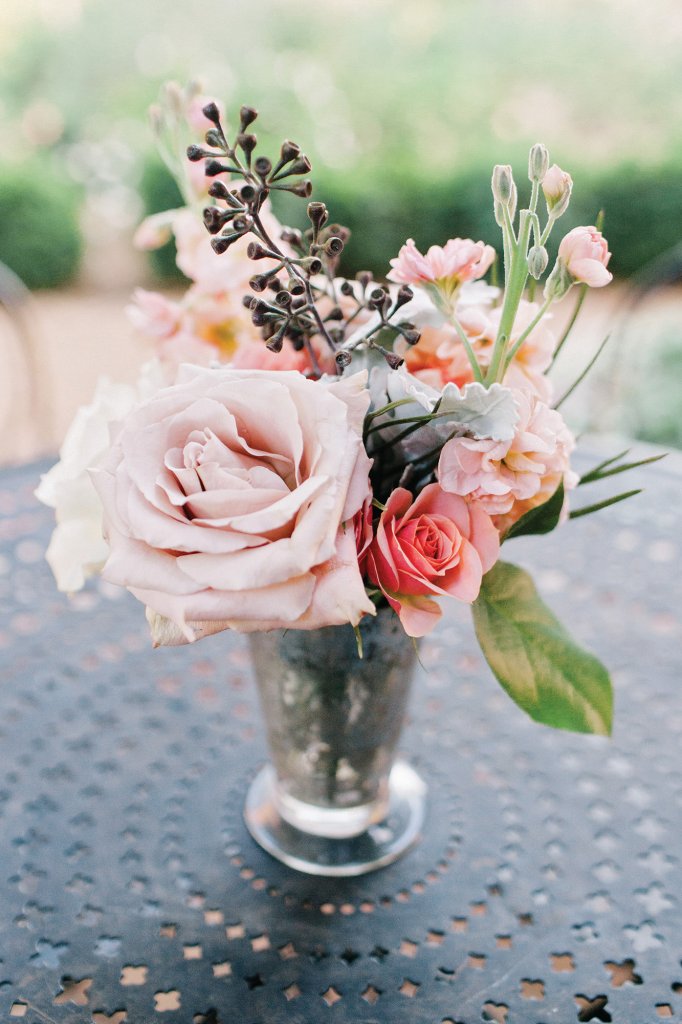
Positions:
{"x": 305, "y": 448}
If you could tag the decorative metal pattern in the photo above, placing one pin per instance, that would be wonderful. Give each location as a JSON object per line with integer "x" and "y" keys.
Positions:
{"x": 548, "y": 884}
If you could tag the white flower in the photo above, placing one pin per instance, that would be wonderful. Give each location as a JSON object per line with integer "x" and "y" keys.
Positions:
{"x": 77, "y": 548}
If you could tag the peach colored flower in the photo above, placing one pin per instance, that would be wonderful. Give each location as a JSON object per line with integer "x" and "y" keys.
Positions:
{"x": 459, "y": 260}
{"x": 225, "y": 497}
{"x": 585, "y": 253}
{"x": 437, "y": 545}
{"x": 438, "y": 358}
{"x": 510, "y": 477}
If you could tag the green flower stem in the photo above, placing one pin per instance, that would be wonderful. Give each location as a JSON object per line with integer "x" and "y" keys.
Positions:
{"x": 515, "y": 285}
{"x": 467, "y": 347}
{"x": 387, "y": 408}
{"x": 571, "y": 322}
{"x": 548, "y": 229}
{"x": 531, "y": 327}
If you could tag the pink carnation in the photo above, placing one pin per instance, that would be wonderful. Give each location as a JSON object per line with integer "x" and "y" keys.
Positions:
{"x": 510, "y": 477}
{"x": 585, "y": 253}
{"x": 459, "y": 260}
{"x": 435, "y": 546}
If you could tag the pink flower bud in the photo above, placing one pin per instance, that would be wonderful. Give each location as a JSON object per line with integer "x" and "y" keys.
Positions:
{"x": 557, "y": 186}
{"x": 585, "y": 253}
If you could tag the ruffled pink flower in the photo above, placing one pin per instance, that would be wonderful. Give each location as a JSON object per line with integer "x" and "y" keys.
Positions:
{"x": 436, "y": 546}
{"x": 459, "y": 260}
{"x": 585, "y": 253}
{"x": 510, "y": 477}
{"x": 228, "y": 502}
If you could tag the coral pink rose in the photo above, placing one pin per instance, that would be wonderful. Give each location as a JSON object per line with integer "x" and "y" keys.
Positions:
{"x": 510, "y": 477}
{"x": 438, "y": 545}
{"x": 459, "y": 260}
{"x": 585, "y": 254}
{"x": 225, "y": 498}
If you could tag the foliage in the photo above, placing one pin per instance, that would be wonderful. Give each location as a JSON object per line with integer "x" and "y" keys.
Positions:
{"x": 40, "y": 238}
{"x": 536, "y": 661}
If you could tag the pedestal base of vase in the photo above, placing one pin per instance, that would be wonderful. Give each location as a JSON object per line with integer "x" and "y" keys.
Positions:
{"x": 389, "y": 828}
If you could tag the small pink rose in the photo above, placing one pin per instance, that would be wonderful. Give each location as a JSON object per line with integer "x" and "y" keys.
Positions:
{"x": 438, "y": 545}
{"x": 585, "y": 254}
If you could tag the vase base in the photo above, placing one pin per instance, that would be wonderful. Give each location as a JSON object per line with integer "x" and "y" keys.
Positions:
{"x": 381, "y": 844}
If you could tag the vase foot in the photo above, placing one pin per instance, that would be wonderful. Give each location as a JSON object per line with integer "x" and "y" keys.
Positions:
{"x": 379, "y": 845}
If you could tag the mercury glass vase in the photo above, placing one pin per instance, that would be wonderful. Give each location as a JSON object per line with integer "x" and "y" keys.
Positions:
{"x": 334, "y": 800}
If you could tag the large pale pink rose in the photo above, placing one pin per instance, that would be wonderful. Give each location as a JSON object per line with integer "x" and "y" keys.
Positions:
{"x": 225, "y": 498}
{"x": 585, "y": 252}
{"x": 436, "y": 546}
{"x": 510, "y": 477}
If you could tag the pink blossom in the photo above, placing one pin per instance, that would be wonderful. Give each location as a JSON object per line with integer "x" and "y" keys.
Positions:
{"x": 153, "y": 314}
{"x": 557, "y": 186}
{"x": 459, "y": 260}
{"x": 437, "y": 545}
{"x": 225, "y": 499}
{"x": 510, "y": 477}
{"x": 585, "y": 253}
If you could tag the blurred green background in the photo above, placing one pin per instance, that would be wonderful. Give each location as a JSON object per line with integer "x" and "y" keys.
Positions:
{"x": 403, "y": 106}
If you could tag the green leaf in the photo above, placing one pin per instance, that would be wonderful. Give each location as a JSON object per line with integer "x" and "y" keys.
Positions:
{"x": 587, "y": 509}
{"x": 536, "y": 661}
{"x": 541, "y": 519}
{"x": 601, "y": 472}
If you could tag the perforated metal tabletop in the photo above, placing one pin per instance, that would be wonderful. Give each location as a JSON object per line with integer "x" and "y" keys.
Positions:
{"x": 547, "y": 887}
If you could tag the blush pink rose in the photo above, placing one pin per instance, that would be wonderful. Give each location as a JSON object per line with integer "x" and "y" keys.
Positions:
{"x": 585, "y": 253}
{"x": 436, "y": 546}
{"x": 225, "y": 498}
{"x": 510, "y": 477}
{"x": 459, "y": 260}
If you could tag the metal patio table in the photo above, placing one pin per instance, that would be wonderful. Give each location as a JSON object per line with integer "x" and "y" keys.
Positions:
{"x": 547, "y": 886}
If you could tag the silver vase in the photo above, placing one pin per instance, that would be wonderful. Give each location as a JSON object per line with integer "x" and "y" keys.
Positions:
{"x": 333, "y": 800}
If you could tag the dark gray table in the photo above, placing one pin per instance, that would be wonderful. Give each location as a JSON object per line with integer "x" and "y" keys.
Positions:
{"x": 548, "y": 883}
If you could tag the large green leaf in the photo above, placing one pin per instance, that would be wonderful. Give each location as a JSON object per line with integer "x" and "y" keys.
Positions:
{"x": 541, "y": 519}
{"x": 539, "y": 665}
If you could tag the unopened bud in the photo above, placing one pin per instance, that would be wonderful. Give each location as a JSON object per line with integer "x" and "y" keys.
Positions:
{"x": 317, "y": 214}
{"x": 333, "y": 246}
{"x": 248, "y": 143}
{"x": 405, "y": 294}
{"x": 513, "y": 200}
{"x": 211, "y": 113}
{"x": 502, "y": 183}
{"x": 558, "y": 282}
{"x": 247, "y": 115}
{"x": 557, "y": 186}
{"x": 311, "y": 265}
{"x": 393, "y": 360}
{"x": 301, "y": 188}
{"x": 262, "y": 166}
{"x": 537, "y": 261}
{"x": 538, "y": 162}
{"x": 289, "y": 151}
